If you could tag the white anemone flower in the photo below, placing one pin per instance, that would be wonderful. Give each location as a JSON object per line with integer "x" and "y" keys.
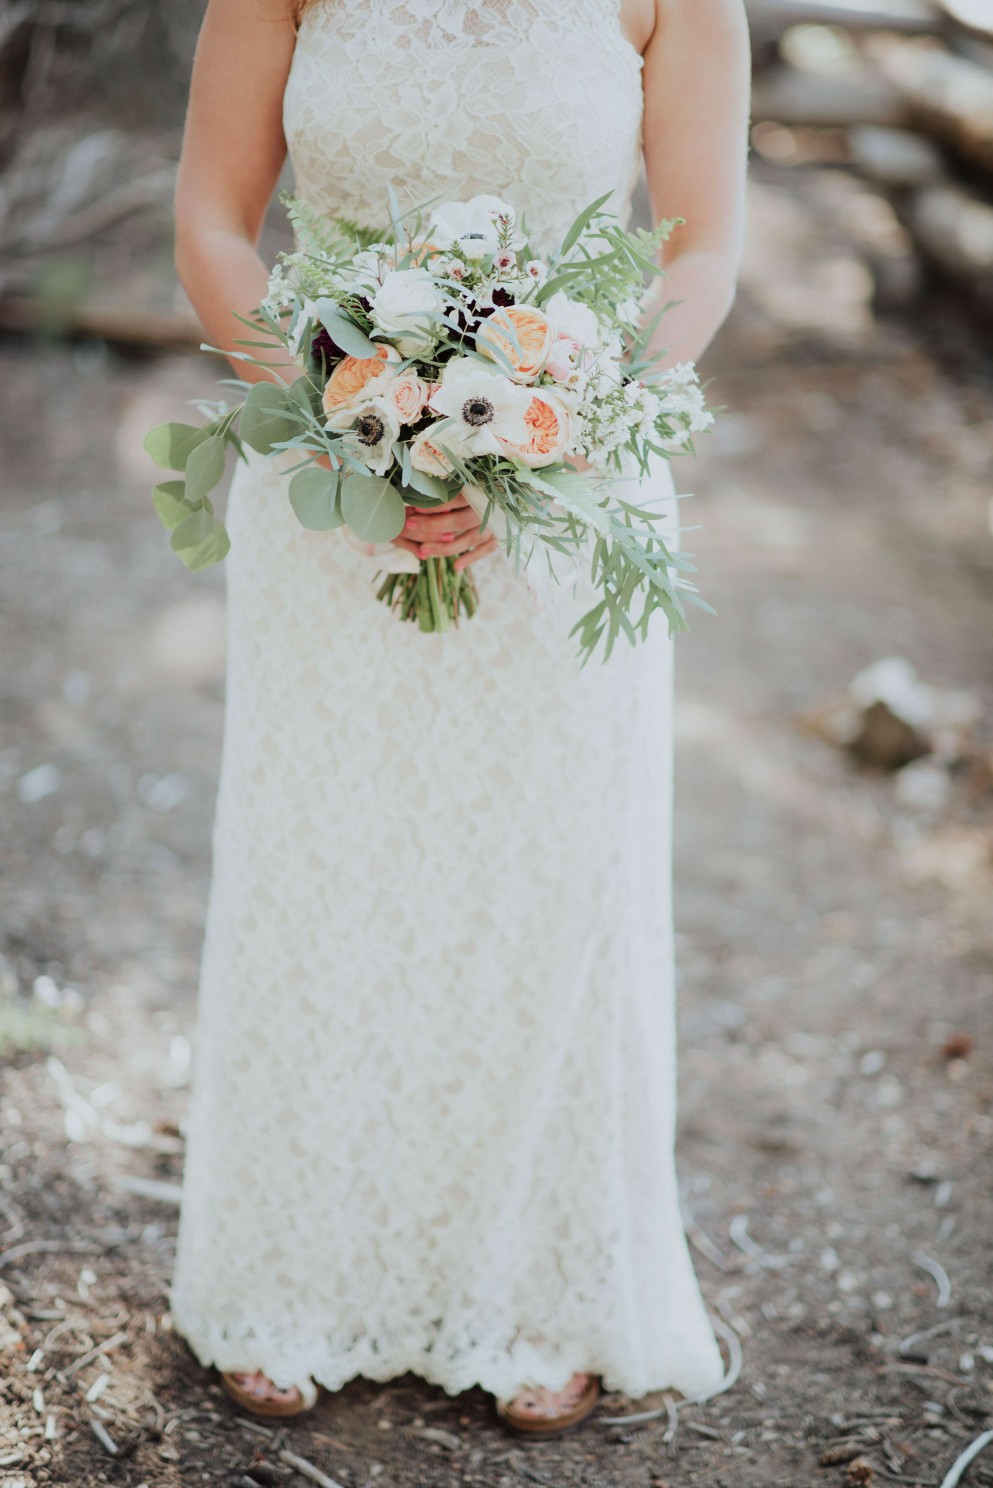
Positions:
{"x": 471, "y": 225}
{"x": 371, "y": 430}
{"x": 483, "y": 408}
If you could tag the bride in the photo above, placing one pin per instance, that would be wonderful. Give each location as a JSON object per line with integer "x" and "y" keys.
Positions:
{"x": 432, "y": 1117}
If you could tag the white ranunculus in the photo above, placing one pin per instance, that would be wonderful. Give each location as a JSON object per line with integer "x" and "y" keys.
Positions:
{"x": 370, "y": 431}
{"x": 471, "y": 224}
{"x": 400, "y": 308}
{"x": 573, "y": 319}
{"x": 482, "y": 408}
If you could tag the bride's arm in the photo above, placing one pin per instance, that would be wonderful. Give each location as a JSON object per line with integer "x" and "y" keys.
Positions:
{"x": 233, "y": 151}
{"x": 697, "y": 81}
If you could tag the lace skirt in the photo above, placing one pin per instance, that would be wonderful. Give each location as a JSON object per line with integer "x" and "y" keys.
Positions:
{"x": 432, "y": 1117}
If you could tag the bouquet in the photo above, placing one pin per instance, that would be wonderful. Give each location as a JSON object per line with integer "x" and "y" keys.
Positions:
{"x": 442, "y": 354}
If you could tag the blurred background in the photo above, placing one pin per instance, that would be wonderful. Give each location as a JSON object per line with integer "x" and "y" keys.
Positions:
{"x": 834, "y": 788}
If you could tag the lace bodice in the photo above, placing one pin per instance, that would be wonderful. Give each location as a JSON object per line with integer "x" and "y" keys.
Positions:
{"x": 539, "y": 101}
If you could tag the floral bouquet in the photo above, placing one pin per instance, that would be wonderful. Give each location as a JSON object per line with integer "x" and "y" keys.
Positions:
{"x": 440, "y": 355}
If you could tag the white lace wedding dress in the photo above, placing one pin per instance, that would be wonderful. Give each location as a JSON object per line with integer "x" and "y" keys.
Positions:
{"x": 432, "y": 1117}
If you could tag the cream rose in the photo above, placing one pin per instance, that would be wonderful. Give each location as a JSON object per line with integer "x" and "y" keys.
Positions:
{"x": 427, "y": 457}
{"x": 561, "y": 362}
{"x": 407, "y": 395}
{"x": 573, "y": 319}
{"x": 402, "y": 307}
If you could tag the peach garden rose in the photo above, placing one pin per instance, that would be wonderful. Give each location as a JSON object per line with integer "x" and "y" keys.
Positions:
{"x": 527, "y": 345}
{"x": 353, "y": 378}
{"x": 549, "y": 428}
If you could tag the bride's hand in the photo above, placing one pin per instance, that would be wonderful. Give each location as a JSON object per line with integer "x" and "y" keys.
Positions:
{"x": 449, "y": 531}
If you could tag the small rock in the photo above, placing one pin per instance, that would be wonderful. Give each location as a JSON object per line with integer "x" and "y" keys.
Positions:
{"x": 42, "y": 781}
{"x": 923, "y": 786}
{"x": 958, "y": 1046}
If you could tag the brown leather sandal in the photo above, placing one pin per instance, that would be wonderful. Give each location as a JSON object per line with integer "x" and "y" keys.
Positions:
{"x": 302, "y": 1398}
{"x": 546, "y": 1427}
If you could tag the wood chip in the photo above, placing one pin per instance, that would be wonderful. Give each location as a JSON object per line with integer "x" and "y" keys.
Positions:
{"x": 308, "y": 1470}
{"x": 103, "y": 1436}
{"x": 441, "y": 1438}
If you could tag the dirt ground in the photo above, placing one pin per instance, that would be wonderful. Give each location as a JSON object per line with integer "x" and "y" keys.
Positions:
{"x": 836, "y": 964}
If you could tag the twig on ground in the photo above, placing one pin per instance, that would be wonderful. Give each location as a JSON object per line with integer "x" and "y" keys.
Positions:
{"x": 708, "y": 1247}
{"x": 32, "y": 1247}
{"x": 149, "y": 1188}
{"x": 932, "y": 1369}
{"x": 255, "y": 1427}
{"x": 906, "y": 1344}
{"x": 308, "y": 1470}
{"x": 702, "y": 1430}
{"x": 938, "y": 1273}
{"x": 735, "y": 1361}
{"x": 958, "y": 1467}
{"x": 95, "y": 1353}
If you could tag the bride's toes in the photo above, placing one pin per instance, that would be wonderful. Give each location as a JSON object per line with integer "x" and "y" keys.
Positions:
{"x": 531, "y": 1403}
{"x": 545, "y": 1404}
{"x": 261, "y": 1387}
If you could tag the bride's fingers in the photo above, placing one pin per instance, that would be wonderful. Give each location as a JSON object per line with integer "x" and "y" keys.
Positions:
{"x": 447, "y": 547}
{"x": 488, "y": 544}
{"x": 430, "y": 526}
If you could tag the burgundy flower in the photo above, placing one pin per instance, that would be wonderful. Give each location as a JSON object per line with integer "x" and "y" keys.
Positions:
{"x": 323, "y": 348}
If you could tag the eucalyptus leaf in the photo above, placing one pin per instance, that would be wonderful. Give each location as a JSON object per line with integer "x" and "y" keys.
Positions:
{"x": 372, "y": 507}
{"x": 200, "y": 540}
{"x": 307, "y": 394}
{"x": 313, "y": 497}
{"x": 264, "y": 422}
{"x": 171, "y": 505}
{"x": 343, "y": 331}
{"x": 170, "y": 445}
{"x": 204, "y": 468}
{"x": 428, "y": 485}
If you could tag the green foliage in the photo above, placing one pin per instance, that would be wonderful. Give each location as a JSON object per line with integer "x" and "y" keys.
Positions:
{"x": 171, "y": 506}
{"x": 170, "y": 445}
{"x": 350, "y": 337}
{"x": 314, "y": 499}
{"x": 372, "y": 507}
{"x": 204, "y": 468}
{"x": 270, "y": 417}
{"x": 200, "y": 540}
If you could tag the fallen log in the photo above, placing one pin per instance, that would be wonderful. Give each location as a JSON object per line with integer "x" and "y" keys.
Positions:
{"x": 798, "y": 98}
{"x": 768, "y": 19}
{"x": 99, "y": 320}
{"x": 954, "y": 229}
{"x": 950, "y": 97}
{"x": 895, "y": 158}
{"x": 972, "y": 15}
